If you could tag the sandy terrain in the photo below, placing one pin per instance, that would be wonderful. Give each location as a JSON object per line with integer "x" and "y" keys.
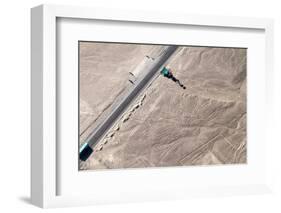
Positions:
{"x": 104, "y": 71}
{"x": 204, "y": 124}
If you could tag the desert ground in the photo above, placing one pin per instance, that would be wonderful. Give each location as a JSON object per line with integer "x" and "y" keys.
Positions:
{"x": 204, "y": 124}
{"x": 104, "y": 71}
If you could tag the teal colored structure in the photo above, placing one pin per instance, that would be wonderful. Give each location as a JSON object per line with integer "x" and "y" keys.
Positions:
{"x": 165, "y": 71}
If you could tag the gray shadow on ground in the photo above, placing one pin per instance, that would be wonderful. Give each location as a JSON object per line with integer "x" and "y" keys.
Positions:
{"x": 25, "y": 199}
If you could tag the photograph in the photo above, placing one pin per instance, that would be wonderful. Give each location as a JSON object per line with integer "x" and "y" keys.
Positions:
{"x": 161, "y": 105}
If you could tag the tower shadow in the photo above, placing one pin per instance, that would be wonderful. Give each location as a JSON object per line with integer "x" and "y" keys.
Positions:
{"x": 168, "y": 74}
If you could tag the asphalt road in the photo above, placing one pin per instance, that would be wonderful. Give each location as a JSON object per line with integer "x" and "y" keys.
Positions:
{"x": 149, "y": 70}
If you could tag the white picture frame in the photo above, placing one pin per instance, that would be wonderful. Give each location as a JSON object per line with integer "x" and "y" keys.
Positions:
{"x": 44, "y": 149}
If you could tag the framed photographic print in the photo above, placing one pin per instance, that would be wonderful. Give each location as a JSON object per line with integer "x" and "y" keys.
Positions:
{"x": 130, "y": 106}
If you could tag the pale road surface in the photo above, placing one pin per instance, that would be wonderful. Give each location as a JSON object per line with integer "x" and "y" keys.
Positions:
{"x": 168, "y": 126}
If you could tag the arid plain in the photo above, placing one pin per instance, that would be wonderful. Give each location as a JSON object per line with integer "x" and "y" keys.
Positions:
{"x": 204, "y": 124}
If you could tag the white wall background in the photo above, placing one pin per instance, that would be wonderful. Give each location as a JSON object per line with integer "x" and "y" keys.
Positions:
{"x": 15, "y": 104}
